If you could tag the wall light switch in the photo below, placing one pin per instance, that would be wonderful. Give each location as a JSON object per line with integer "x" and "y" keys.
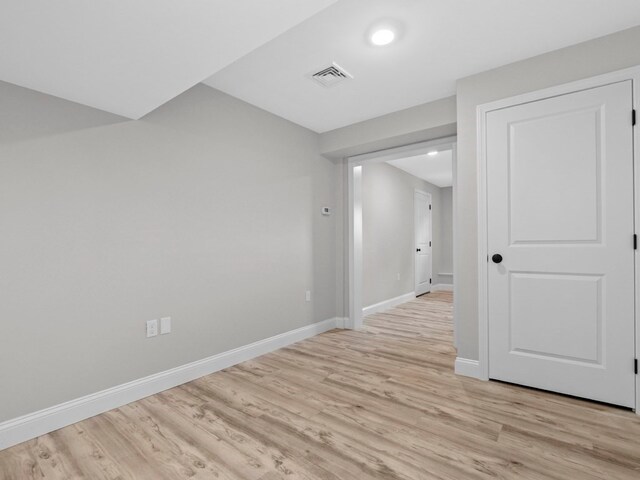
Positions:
{"x": 165, "y": 325}
{"x": 152, "y": 328}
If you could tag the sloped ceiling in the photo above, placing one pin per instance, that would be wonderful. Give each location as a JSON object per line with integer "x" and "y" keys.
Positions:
{"x": 130, "y": 56}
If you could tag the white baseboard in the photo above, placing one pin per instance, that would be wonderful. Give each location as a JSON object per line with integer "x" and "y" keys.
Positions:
{"x": 442, "y": 287}
{"x": 387, "y": 304}
{"x": 468, "y": 368}
{"x": 32, "y": 425}
{"x": 342, "y": 322}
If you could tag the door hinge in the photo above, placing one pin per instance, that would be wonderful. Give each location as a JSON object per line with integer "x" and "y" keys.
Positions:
{"x": 429, "y": 207}
{"x": 633, "y": 116}
{"x": 635, "y": 366}
{"x": 635, "y": 241}
{"x": 429, "y": 243}
{"x": 429, "y": 281}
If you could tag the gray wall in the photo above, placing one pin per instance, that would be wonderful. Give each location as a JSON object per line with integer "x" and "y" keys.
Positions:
{"x": 206, "y": 210}
{"x": 446, "y": 235}
{"x": 388, "y": 231}
{"x": 584, "y": 60}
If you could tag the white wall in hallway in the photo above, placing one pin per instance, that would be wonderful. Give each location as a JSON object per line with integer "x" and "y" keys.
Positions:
{"x": 446, "y": 236}
{"x": 388, "y": 231}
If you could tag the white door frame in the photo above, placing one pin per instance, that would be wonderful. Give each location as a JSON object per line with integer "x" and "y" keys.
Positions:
{"x": 632, "y": 74}
{"x": 354, "y": 215}
{"x": 415, "y": 245}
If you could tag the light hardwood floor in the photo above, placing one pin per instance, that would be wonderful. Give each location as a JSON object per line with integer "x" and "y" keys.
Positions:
{"x": 382, "y": 403}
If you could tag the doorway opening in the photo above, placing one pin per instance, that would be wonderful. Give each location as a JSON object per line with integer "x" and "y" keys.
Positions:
{"x": 401, "y": 207}
{"x": 423, "y": 244}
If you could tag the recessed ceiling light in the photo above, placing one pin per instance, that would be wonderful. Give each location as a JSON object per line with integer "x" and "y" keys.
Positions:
{"x": 433, "y": 153}
{"x": 381, "y": 37}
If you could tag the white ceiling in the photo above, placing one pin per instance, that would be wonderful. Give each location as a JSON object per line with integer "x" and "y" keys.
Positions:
{"x": 128, "y": 57}
{"x": 440, "y": 42}
{"x": 436, "y": 169}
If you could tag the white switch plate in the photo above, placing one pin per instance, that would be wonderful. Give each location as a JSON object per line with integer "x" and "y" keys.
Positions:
{"x": 152, "y": 328}
{"x": 165, "y": 325}
{"x": 308, "y": 296}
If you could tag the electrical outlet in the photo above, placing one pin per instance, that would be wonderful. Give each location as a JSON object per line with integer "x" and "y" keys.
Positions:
{"x": 165, "y": 325}
{"x": 308, "y": 296}
{"x": 152, "y": 328}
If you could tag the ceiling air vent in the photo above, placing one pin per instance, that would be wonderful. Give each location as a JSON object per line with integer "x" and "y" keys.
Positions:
{"x": 331, "y": 75}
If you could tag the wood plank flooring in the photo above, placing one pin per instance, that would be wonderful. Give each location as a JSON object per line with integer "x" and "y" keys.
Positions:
{"x": 382, "y": 403}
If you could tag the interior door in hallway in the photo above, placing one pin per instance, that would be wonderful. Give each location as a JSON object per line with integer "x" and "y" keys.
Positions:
{"x": 560, "y": 237}
{"x": 423, "y": 248}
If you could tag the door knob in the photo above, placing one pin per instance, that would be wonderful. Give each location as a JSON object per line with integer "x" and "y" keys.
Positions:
{"x": 418, "y": 250}
{"x": 497, "y": 258}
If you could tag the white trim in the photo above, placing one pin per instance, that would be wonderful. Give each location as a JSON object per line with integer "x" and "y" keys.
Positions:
{"x": 396, "y": 153}
{"x": 387, "y": 304}
{"x": 342, "y": 322}
{"x": 442, "y": 287}
{"x": 454, "y": 205}
{"x": 32, "y": 425}
{"x": 632, "y": 74}
{"x": 355, "y": 245}
{"x": 483, "y": 306}
{"x": 354, "y": 215}
{"x": 468, "y": 368}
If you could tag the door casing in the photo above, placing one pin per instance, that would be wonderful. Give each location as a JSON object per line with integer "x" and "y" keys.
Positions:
{"x": 633, "y": 74}
{"x": 354, "y": 219}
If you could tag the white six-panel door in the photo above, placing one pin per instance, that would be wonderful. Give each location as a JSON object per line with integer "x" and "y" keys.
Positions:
{"x": 423, "y": 248}
{"x": 560, "y": 214}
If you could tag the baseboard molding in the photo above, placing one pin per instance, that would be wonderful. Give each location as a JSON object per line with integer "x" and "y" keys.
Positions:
{"x": 342, "y": 322}
{"x": 442, "y": 287}
{"x": 468, "y": 368}
{"x": 387, "y": 304}
{"x": 33, "y": 425}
